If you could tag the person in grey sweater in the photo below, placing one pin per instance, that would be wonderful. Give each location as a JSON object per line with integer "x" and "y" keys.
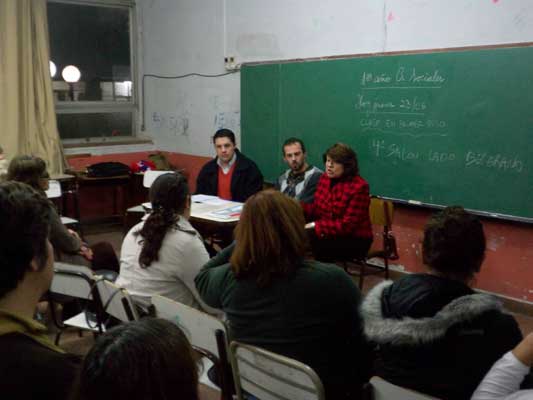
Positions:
{"x": 300, "y": 180}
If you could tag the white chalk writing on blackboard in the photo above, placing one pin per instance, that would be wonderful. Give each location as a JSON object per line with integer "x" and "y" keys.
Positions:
{"x": 403, "y": 75}
{"x": 394, "y": 151}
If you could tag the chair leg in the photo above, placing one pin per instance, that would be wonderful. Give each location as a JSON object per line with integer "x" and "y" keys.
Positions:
{"x": 345, "y": 267}
{"x": 58, "y": 336}
{"x": 362, "y": 275}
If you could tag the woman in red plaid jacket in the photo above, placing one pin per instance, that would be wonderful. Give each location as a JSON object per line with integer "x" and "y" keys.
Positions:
{"x": 340, "y": 226}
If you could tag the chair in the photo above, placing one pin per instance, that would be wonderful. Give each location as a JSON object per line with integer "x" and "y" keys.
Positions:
{"x": 55, "y": 192}
{"x": 116, "y": 301}
{"x": 381, "y": 214}
{"x": 208, "y": 336}
{"x": 150, "y": 176}
{"x": 270, "y": 376}
{"x": 76, "y": 282}
{"x": 383, "y": 390}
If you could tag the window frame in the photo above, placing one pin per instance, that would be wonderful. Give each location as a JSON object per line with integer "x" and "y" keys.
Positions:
{"x": 107, "y": 107}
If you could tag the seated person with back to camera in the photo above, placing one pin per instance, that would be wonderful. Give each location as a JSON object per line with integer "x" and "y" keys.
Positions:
{"x": 163, "y": 253}
{"x": 68, "y": 246}
{"x": 504, "y": 379}
{"x": 433, "y": 333}
{"x": 276, "y": 299}
{"x": 300, "y": 180}
{"x": 31, "y": 366}
{"x": 147, "y": 359}
{"x": 339, "y": 226}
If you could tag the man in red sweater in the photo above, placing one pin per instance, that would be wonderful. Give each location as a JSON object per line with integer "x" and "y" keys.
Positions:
{"x": 230, "y": 175}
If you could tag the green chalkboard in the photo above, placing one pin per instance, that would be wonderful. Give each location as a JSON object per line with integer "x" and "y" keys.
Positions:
{"x": 436, "y": 128}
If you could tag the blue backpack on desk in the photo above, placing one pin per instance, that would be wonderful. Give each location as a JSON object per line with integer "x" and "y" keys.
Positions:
{"x": 107, "y": 169}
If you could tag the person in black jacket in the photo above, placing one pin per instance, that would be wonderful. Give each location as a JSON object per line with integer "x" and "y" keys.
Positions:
{"x": 31, "y": 366}
{"x": 230, "y": 175}
{"x": 432, "y": 332}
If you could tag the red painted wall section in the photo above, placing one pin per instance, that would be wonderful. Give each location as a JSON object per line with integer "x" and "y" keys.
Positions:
{"x": 508, "y": 267}
{"x": 190, "y": 164}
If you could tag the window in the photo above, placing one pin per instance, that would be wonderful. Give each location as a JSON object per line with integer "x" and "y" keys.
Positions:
{"x": 94, "y": 80}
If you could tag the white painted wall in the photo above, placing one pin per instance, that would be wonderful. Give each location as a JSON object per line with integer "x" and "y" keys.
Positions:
{"x": 183, "y": 36}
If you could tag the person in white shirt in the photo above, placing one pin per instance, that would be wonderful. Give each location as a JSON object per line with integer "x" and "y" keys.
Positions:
{"x": 163, "y": 253}
{"x": 503, "y": 380}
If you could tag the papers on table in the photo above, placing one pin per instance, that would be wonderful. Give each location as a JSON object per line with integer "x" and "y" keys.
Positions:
{"x": 211, "y": 208}
{"x": 233, "y": 212}
{"x": 213, "y": 200}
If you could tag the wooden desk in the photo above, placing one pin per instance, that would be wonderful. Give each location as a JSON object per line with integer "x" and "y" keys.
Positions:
{"x": 93, "y": 195}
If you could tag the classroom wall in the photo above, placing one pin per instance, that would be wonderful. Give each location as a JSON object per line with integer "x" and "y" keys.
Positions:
{"x": 179, "y": 37}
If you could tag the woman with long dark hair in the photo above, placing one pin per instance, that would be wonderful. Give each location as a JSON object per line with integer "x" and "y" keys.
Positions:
{"x": 275, "y": 299}
{"x": 164, "y": 253}
{"x": 149, "y": 359}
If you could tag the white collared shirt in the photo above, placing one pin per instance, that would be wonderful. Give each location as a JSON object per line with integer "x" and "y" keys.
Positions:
{"x": 225, "y": 168}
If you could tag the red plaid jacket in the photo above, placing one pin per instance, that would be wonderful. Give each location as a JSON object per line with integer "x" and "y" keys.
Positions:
{"x": 341, "y": 210}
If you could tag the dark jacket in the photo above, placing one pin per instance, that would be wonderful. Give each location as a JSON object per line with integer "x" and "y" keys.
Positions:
{"x": 31, "y": 366}
{"x": 436, "y": 335}
{"x": 311, "y": 316}
{"x": 246, "y": 180}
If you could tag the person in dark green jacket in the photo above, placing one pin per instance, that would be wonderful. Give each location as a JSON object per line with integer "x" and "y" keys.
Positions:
{"x": 277, "y": 300}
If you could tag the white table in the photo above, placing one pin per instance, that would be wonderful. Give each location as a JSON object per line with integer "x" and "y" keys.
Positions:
{"x": 205, "y": 208}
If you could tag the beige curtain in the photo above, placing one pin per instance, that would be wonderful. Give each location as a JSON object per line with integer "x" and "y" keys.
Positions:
{"x": 27, "y": 113}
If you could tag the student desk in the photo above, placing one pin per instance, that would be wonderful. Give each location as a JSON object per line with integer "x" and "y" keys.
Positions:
{"x": 69, "y": 191}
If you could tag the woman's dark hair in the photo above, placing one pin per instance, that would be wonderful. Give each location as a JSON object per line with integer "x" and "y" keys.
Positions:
{"x": 343, "y": 154}
{"x": 27, "y": 169}
{"x": 168, "y": 195}
{"x": 454, "y": 243}
{"x": 270, "y": 237}
{"x": 24, "y": 227}
{"x": 149, "y": 359}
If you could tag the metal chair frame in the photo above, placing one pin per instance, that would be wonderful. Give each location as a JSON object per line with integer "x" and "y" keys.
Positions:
{"x": 273, "y": 384}
{"x": 94, "y": 298}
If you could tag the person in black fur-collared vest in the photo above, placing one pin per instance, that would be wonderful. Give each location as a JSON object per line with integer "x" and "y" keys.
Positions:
{"x": 432, "y": 332}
